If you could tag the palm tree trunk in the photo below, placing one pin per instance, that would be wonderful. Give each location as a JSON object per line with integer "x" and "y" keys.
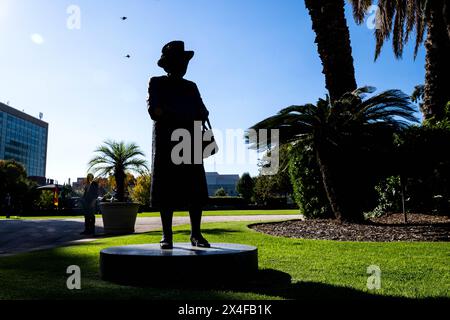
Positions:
{"x": 120, "y": 184}
{"x": 328, "y": 184}
{"x": 446, "y": 12}
{"x": 333, "y": 43}
{"x": 437, "y": 65}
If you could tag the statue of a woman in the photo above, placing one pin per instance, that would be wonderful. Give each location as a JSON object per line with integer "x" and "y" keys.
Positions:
{"x": 175, "y": 103}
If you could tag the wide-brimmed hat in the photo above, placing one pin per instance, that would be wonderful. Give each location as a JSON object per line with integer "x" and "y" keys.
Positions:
{"x": 174, "y": 51}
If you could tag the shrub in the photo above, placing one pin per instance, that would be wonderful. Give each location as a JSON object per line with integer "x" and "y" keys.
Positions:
{"x": 226, "y": 203}
{"x": 389, "y": 196}
{"x": 423, "y": 160}
{"x": 45, "y": 200}
{"x": 308, "y": 190}
{"x": 221, "y": 193}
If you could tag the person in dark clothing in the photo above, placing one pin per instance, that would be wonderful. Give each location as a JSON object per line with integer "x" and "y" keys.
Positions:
{"x": 175, "y": 103}
{"x": 89, "y": 205}
{"x": 8, "y": 206}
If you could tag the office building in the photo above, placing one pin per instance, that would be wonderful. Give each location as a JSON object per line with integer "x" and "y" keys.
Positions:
{"x": 216, "y": 181}
{"x": 23, "y": 138}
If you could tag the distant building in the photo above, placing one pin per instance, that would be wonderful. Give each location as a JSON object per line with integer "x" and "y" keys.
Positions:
{"x": 216, "y": 181}
{"x": 23, "y": 138}
{"x": 79, "y": 184}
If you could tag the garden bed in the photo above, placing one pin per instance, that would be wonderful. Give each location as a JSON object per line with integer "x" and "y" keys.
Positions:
{"x": 387, "y": 228}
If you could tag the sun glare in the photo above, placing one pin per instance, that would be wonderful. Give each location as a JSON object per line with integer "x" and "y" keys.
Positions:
{"x": 37, "y": 38}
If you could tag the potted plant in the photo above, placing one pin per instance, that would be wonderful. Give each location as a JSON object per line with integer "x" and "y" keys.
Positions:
{"x": 116, "y": 159}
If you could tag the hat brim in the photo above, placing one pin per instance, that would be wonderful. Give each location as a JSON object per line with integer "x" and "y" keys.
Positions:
{"x": 187, "y": 55}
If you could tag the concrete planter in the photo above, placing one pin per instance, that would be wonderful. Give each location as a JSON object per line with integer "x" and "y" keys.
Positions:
{"x": 119, "y": 217}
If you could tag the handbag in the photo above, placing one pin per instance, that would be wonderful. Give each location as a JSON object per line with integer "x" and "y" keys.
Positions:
{"x": 209, "y": 144}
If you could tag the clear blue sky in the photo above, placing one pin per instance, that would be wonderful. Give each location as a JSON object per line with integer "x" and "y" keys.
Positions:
{"x": 252, "y": 58}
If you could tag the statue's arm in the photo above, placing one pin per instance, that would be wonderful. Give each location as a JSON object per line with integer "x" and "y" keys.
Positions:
{"x": 153, "y": 101}
{"x": 203, "y": 111}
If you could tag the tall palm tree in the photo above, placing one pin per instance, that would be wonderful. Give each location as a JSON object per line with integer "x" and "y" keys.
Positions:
{"x": 334, "y": 129}
{"x": 333, "y": 44}
{"x": 399, "y": 18}
{"x": 116, "y": 159}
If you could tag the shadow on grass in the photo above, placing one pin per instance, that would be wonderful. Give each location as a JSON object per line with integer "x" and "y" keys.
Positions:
{"x": 212, "y": 231}
{"x": 275, "y": 283}
{"x": 52, "y": 264}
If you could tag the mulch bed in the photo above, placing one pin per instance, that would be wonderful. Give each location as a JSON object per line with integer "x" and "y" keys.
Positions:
{"x": 388, "y": 228}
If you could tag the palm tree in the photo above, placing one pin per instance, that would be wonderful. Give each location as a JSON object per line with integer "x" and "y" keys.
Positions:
{"x": 333, "y": 44}
{"x": 116, "y": 158}
{"x": 399, "y": 18}
{"x": 335, "y": 129}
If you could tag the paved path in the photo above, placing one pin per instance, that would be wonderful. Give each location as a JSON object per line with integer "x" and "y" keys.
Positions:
{"x": 17, "y": 236}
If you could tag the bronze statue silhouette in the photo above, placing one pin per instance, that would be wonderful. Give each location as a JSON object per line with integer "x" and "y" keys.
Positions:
{"x": 174, "y": 103}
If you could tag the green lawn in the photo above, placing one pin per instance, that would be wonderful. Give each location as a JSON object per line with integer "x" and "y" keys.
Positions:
{"x": 319, "y": 269}
{"x": 184, "y": 214}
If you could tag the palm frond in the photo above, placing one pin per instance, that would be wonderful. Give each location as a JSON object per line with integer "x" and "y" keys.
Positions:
{"x": 292, "y": 124}
{"x": 112, "y": 157}
{"x": 360, "y": 8}
{"x": 399, "y": 18}
{"x": 333, "y": 121}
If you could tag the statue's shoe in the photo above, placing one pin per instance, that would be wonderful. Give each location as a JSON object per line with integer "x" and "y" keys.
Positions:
{"x": 200, "y": 242}
{"x": 166, "y": 244}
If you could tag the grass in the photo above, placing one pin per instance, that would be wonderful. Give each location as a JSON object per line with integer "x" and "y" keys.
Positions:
{"x": 319, "y": 269}
{"x": 179, "y": 214}
{"x": 228, "y": 213}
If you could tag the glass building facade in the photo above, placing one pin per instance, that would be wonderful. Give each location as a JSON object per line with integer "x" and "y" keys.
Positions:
{"x": 23, "y": 138}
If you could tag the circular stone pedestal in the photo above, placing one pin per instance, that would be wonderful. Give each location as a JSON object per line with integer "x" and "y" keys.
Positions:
{"x": 147, "y": 264}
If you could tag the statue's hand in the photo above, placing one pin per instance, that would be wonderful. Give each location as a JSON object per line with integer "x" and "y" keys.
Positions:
{"x": 158, "y": 112}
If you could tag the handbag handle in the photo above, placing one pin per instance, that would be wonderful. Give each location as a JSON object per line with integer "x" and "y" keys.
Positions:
{"x": 207, "y": 122}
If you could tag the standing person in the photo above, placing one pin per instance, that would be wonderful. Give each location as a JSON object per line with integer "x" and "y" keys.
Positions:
{"x": 89, "y": 204}
{"x": 175, "y": 103}
{"x": 8, "y": 205}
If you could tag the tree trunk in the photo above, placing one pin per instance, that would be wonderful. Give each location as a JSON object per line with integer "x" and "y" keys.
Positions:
{"x": 446, "y": 12}
{"x": 402, "y": 187}
{"x": 120, "y": 185}
{"x": 437, "y": 64}
{"x": 333, "y": 43}
{"x": 328, "y": 184}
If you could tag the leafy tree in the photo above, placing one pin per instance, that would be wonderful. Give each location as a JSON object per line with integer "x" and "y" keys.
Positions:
{"x": 277, "y": 185}
{"x": 343, "y": 135}
{"x": 264, "y": 189}
{"x": 245, "y": 186}
{"x": 141, "y": 191}
{"x": 220, "y": 193}
{"x": 104, "y": 185}
{"x": 280, "y": 180}
{"x": 443, "y": 123}
{"x": 13, "y": 180}
{"x": 45, "y": 200}
{"x": 116, "y": 159}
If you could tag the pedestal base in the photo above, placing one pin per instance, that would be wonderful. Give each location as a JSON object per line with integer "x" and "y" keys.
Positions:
{"x": 147, "y": 264}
